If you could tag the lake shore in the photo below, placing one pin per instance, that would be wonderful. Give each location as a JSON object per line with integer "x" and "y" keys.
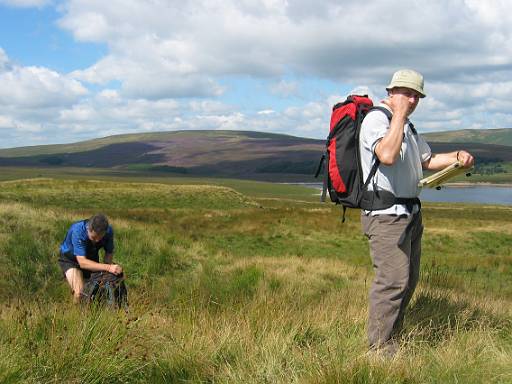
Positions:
{"x": 478, "y": 184}
{"x": 462, "y": 192}
{"x": 451, "y": 185}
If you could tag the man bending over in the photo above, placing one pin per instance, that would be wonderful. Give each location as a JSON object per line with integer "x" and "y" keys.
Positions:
{"x": 79, "y": 252}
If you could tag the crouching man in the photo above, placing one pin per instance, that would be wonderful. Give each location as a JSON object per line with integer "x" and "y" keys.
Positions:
{"x": 79, "y": 252}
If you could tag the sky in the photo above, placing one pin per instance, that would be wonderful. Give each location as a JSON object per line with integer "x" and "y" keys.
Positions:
{"x": 73, "y": 70}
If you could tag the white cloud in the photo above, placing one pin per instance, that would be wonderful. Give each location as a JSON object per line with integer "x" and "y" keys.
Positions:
{"x": 36, "y": 87}
{"x": 21, "y": 127}
{"x": 109, "y": 96}
{"x": 234, "y": 121}
{"x": 4, "y": 60}
{"x": 285, "y": 88}
{"x": 167, "y": 62}
{"x": 196, "y": 41}
{"x": 6, "y": 122}
{"x": 491, "y": 12}
{"x": 209, "y": 107}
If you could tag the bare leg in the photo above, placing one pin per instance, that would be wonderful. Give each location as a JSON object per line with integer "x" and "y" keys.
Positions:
{"x": 75, "y": 280}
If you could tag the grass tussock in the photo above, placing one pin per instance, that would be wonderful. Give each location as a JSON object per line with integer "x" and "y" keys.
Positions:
{"x": 244, "y": 290}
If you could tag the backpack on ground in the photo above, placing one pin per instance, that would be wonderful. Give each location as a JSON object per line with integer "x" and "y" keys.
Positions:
{"x": 105, "y": 288}
{"x": 343, "y": 176}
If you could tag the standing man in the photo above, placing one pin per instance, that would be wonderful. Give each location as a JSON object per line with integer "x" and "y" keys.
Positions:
{"x": 395, "y": 233}
{"x": 79, "y": 252}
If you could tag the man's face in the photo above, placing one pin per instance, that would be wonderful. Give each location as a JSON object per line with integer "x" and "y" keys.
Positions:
{"x": 95, "y": 237}
{"x": 411, "y": 94}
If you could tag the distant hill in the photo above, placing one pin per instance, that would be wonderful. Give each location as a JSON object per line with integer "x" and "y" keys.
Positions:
{"x": 240, "y": 154}
{"x": 237, "y": 154}
{"x": 501, "y": 136}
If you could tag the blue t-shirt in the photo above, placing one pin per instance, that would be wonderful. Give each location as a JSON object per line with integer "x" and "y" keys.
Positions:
{"x": 78, "y": 243}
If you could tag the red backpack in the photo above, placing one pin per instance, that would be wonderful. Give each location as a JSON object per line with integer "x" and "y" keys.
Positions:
{"x": 343, "y": 177}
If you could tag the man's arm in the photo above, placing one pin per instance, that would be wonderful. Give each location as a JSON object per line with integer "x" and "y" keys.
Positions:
{"x": 93, "y": 266}
{"x": 440, "y": 161}
{"x": 388, "y": 148}
{"x": 108, "y": 258}
{"x": 109, "y": 246}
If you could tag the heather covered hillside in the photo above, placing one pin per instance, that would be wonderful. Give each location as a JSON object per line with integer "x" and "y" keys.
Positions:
{"x": 235, "y": 154}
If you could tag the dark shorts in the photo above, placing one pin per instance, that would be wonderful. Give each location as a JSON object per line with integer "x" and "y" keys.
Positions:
{"x": 68, "y": 261}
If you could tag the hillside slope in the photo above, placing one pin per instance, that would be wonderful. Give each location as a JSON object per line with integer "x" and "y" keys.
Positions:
{"x": 178, "y": 137}
{"x": 224, "y": 153}
{"x": 501, "y": 136}
{"x": 237, "y": 154}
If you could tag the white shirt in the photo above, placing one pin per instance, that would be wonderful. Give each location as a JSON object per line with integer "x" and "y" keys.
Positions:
{"x": 403, "y": 176}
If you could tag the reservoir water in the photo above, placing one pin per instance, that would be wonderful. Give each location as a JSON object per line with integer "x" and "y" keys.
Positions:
{"x": 481, "y": 194}
{"x": 469, "y": 194}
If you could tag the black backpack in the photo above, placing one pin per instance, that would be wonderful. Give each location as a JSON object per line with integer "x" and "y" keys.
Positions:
{"x": 343, "y": 177}
{"x": 104, "y": 288}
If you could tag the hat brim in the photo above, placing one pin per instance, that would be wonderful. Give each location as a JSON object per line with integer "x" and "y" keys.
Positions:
{"x": 403, "y": 84}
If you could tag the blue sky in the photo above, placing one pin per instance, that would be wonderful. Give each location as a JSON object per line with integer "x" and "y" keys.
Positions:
{"x": 31, "y": 37}
{"x": 72, "y": 70}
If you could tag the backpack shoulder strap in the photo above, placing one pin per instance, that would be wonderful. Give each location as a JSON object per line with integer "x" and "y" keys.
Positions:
{"x": 386, "y": 199}
{"x": 385, "y": 111}
{"x": 376, "y": 164}
{"x": 389, "y": 115}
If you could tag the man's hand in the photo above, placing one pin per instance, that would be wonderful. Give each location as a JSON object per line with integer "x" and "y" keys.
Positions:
{"x": 116, "y": 269}
{"x": 400, "y": 104}
{"x": 466, "y": 159}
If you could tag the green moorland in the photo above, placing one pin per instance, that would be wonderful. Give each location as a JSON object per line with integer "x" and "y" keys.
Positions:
{"x": 239, "y": 154}
{"x": 243, "y": 282}
{"x": 501, "y": 136}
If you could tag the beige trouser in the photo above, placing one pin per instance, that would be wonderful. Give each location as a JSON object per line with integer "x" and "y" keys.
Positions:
{"x": 395, "y": 249}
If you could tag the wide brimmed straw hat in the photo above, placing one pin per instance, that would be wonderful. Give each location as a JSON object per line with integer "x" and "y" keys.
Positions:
{"x": 409, "y": 79}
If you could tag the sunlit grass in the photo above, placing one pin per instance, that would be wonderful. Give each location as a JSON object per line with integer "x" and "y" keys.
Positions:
{"x": 251, "y": 292}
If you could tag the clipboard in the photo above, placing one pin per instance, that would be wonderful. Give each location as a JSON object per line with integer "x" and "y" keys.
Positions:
{"x": 441, "y": 177}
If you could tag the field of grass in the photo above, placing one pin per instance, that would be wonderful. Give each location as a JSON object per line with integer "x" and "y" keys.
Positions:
{"x": 243, "y": 282}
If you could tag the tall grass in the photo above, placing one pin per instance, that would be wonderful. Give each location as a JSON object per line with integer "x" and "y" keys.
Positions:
{"x": 251, "y": 292}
